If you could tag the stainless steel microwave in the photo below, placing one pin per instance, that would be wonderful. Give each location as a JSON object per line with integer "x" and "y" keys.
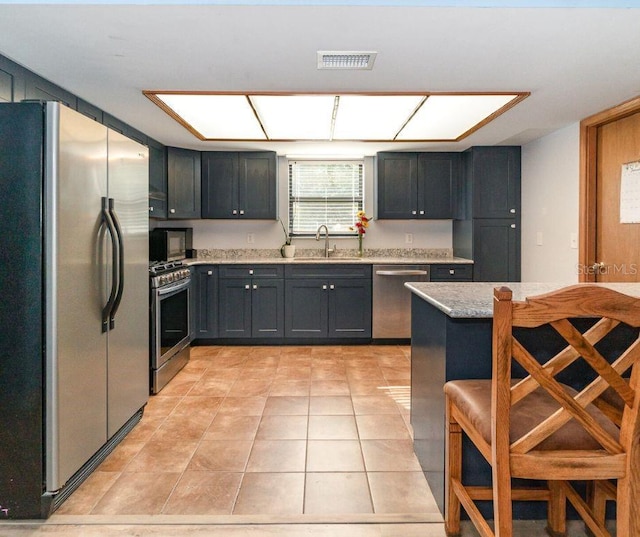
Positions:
{"x": 170, "y": 244}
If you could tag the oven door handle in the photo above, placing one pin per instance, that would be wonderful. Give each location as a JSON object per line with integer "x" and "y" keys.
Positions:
{"x": 173, "y": 288}
{"x": 118, "y": 297}
{"x": 108, "y": 307}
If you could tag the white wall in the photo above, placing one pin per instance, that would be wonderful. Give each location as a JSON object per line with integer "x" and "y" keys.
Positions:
{"x": 550, "y": 204}
{"x": 213, "y": 234}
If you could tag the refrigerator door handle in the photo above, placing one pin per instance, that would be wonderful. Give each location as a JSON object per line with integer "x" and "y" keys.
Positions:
{"x": 106, "y": 311}
{"x": 120, "y": 267}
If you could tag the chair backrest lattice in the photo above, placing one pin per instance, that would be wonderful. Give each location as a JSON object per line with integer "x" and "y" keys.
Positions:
{"x": 608, "y": 308}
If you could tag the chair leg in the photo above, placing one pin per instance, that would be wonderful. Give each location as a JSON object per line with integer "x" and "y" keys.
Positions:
{"x": 597, "y": 498}
{"x": 502, "y": 495}
{"x": 556, "y": 511}
{"x": 453, "y": 470}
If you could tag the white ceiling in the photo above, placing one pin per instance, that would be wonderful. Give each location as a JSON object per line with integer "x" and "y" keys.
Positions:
{"x": 574, "y": 61}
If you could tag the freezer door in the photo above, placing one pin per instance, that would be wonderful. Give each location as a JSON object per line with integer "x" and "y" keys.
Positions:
{"x": 76, "y": 368}
{"x": 128, "y": 338}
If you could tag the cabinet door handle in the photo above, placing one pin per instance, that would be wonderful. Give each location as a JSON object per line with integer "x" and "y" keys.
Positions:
{"x": 234, "y": 212}
{"x": 172, "y": 211}
{"x": 512, "y": 211}
{"x": 513, "y": 226}
{"x": 247, "y": 286}
{"x": 255, "y": 286}
{"x": 241, "y": 211}
{"x": 332, "y": 287}
{"x": 421, "y": 212}
{"x": 210, "y": 273}
{"x": 324, "y": 287}
{"x": 251, "y": 271}
{"x": 150, "y": 209}
{"x": 452, "y": 271}
{"x": 414, "y": 212}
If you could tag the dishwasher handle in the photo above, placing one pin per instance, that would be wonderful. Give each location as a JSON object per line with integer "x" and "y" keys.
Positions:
{"x": 401, "y": 272}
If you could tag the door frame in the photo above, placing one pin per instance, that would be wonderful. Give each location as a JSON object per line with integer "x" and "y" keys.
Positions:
{"x": 588, "y": 176}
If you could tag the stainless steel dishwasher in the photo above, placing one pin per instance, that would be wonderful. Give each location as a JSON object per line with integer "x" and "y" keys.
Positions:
{"x": 392, "y": 300}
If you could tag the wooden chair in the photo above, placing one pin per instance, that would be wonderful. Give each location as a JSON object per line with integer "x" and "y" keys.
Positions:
{"x": 540, "y": 429}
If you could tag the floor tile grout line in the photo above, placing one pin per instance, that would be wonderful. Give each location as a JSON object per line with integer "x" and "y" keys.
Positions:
{"x": 202, "y": 373}
{"x": 184, "y": 470}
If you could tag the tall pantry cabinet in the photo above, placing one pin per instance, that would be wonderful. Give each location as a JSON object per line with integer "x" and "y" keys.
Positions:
{"x": 487, "y": 224}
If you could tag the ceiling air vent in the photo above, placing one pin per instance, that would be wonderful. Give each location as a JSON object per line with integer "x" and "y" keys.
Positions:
{"x": 356, "y": 60}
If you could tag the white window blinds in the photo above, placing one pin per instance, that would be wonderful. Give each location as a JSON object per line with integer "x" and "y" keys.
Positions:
{"x": 324, "y": 192}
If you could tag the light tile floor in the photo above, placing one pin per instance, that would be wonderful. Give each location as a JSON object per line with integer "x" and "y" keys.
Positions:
{"x": 263, "y": 441}
{"x": 269, "y": 431}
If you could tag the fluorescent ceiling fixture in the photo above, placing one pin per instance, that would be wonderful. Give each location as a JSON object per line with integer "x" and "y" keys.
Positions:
{"x": 299, "y": 117}
{"x": 373, "y": 117}
{"x": 447, "y": 117}
{"x": 420, "y": 117}
{"x": 228, "y": 117}
{"x": 335, "y": 59}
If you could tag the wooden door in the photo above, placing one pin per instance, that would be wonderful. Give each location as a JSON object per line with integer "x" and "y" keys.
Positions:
{"x": 617, "y": 244}
{"x": 609, "y": 250}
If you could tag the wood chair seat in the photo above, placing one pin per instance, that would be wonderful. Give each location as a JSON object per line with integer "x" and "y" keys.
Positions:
{"x": 472, "y": 398}
{"x": 539, "y": 428}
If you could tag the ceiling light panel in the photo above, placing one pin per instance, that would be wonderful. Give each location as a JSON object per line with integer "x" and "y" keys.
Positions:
{"x": 295, "y": 117}
{"x": 350, "y": 60}
{"x": 216, "y": 117}
{"x": 373, "y": 117}
{"x": 447, "y": 117}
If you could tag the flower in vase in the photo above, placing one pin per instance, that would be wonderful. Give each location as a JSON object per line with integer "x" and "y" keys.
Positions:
{"x": 362, "y": 223}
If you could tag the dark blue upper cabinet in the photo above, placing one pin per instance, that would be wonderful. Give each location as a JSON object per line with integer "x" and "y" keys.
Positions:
{"x": 257, "y": 185}
{"x": 7, "y": 86}
{"x": 417, "y": 185}
{"x": 219, "y": 184}
{"x": 438, "y": 176}
{"x": 90, "y": 111}
{"x": 495, "y": 178}
{"x": 397, "y": 185}
{"x": 239, "y": 185}
{"x": 183, "y": 183}
{"x": 157, "y": 180}
{"x": 40, "y": 89}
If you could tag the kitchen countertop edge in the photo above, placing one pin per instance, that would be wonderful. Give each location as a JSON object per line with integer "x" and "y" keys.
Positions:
{"x": 474, "y": 300}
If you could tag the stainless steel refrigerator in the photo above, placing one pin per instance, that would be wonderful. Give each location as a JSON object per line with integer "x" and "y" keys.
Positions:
{"x": 74, "y": 299}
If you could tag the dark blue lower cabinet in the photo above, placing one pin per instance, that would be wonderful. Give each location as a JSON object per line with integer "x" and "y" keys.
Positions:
{"x": 204, "y": 300}
{"x": 332, "y": 308}
{"x": 250, "y": 308}
{"x": 267, "y": 308}
{"x": 350, "y": 308}
{"x": 234, "y": 311}
{"x": 307, "y": 304}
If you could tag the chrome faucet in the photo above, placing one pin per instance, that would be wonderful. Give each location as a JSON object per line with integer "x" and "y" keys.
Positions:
{"x": 327, "y": 250}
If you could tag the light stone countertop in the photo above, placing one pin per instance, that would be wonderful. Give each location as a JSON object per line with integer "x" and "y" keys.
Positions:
{"x": 389, "y": 256}
{"x": 474, "y": 300}
{"x": 330, "y": 260}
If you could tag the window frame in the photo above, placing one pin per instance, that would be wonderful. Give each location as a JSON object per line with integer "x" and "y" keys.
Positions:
{"x": 360, "y": 200}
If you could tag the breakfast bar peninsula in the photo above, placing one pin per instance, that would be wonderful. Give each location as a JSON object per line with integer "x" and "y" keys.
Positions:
{"x": 451, "y": 325}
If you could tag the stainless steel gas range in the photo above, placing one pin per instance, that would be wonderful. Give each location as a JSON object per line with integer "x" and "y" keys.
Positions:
{"x": 170, "y": 321}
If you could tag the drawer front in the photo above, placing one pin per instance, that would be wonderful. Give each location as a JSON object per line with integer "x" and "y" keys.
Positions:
{"x": 320, "y": 270}
{"x": 251, "y": 271}
{"x": 443, "y": 273}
